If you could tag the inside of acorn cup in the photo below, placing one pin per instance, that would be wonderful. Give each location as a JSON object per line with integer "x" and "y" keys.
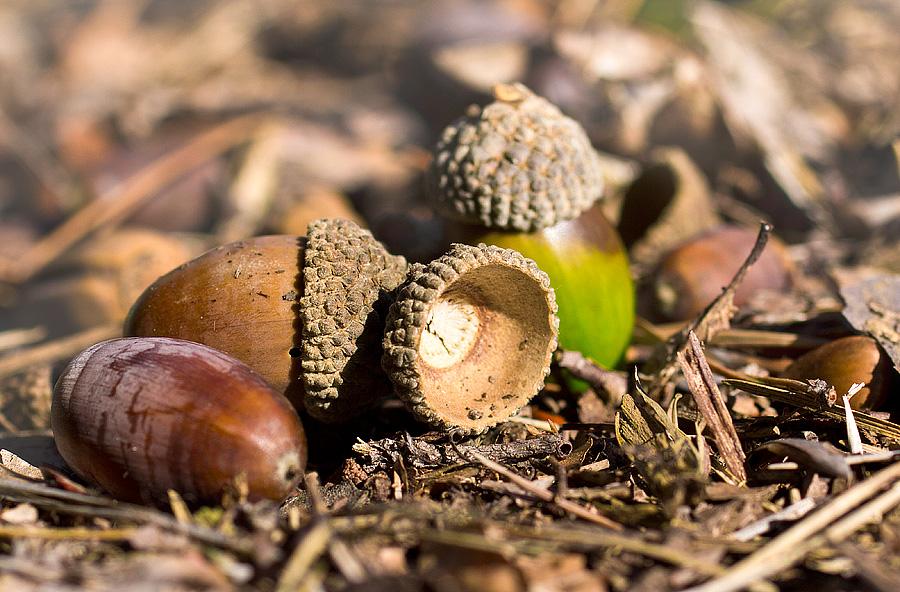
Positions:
{"x": 485, "y": 346}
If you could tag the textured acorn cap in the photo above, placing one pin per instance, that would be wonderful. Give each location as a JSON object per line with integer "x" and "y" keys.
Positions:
{"x": 349, "y": 279}
{"x": 517, "y": 164}
{"x": 469, "y": 339}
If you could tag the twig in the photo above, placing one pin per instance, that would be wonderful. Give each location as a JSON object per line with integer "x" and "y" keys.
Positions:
{"x": 312, "y": 546}
{"x": 601, "y": 380}
{"x": 714, "y": 318}
{"x": 792, "y": 512}
{"x": 81, "y": 504}
{"x": 545, "y": 495}
{"x": 56, "y": 350}
{"x": 13, "y": 338}
{"x": 794, "y": 544}
{"x": 67, "y": 534}
{"x": 804, "y": 400}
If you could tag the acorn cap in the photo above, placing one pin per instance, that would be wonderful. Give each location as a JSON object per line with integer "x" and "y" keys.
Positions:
{"x": 349, "y": 279}
{"x": 517, "y": 164}
{"x": 470, "y": 337}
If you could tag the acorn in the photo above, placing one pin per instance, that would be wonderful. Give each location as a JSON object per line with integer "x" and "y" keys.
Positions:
{"x": 694, "y": 273}
{"x": 241, "y": 298}
{"x": 469, "y": 339}
{"x": 519, "y": 174}
{"x": 137, "y": 417}
{"x": 307, "y": 313}
{"x": 847, "y": 361}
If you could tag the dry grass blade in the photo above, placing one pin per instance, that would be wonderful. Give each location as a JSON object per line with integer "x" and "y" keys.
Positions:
{"x": 311, "y": 547}
{"x": 80, "y": 504}
{"x": 798, "y": 397}
{"x": 14, "y": 338}
{"x": 795, "y": 543}
{"x": 712, "y": 406}
{"x": 601, "y": 379}
{"x": 66, "y": 534}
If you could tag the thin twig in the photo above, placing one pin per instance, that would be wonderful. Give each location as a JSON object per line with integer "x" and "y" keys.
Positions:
{"x": 311, "y": 547}
{"x": 794, "y": 544}
{"x": 545, "y": 495}
{"x": 81, "y": 504}
{"x": 67, "y": 534}
{"x": 13, "y": 338}
{"x": 714, "y": 318}
{"x": 56, "y": 350}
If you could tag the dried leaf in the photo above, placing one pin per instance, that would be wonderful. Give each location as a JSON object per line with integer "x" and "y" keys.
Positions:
{"x": 819, "y": 457}
{"x": 712, "y": 406}
{"x": 873, "y": 306}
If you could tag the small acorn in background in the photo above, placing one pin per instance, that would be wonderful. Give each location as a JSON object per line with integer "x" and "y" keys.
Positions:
{"x": 140, "y": 416}
{"x": 847, "y": 361}
{"x": 519, "y": 174}
{"x": 694, "y": 273}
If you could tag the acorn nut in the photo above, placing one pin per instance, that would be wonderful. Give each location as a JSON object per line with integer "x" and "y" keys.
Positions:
{"x": 844, "y": 362}
{"x": 519, "y": 174}
{"x": 140, "y": 416}
{"x": 349, "y": 280}
{"x": 470, "y": 337}
{"x": 695, "y": 272}
{"x": 240, "y": 298}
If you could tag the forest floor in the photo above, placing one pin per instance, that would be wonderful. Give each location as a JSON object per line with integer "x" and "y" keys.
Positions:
{"x": 137, "y": 134}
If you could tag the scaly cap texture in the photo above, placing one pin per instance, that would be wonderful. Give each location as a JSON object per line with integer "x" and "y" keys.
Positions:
{"x": 470, "y": 337}
{"x": 349, "y": 279}
{"x": 517, "y": 164}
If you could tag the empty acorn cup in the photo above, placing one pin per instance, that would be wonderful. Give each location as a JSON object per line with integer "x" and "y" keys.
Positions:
{"x": 469, "y": 339}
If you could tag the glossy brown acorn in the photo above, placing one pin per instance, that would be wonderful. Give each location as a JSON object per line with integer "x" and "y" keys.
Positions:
{"x": 846, "y": 361}
{"x": 139, "y": 416}
{"x": 694, "y": 274}
{"x": 240, "y": 298}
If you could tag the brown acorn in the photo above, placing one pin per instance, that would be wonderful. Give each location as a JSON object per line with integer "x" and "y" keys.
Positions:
{"x": 140, "y": 416}
{"x": 694, "y": 273}
{"x": 240, "y": 298}
{"x": 844, "y": 362}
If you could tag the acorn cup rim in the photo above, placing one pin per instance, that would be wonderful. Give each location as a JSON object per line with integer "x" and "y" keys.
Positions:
{"x": 470, "y": 337}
